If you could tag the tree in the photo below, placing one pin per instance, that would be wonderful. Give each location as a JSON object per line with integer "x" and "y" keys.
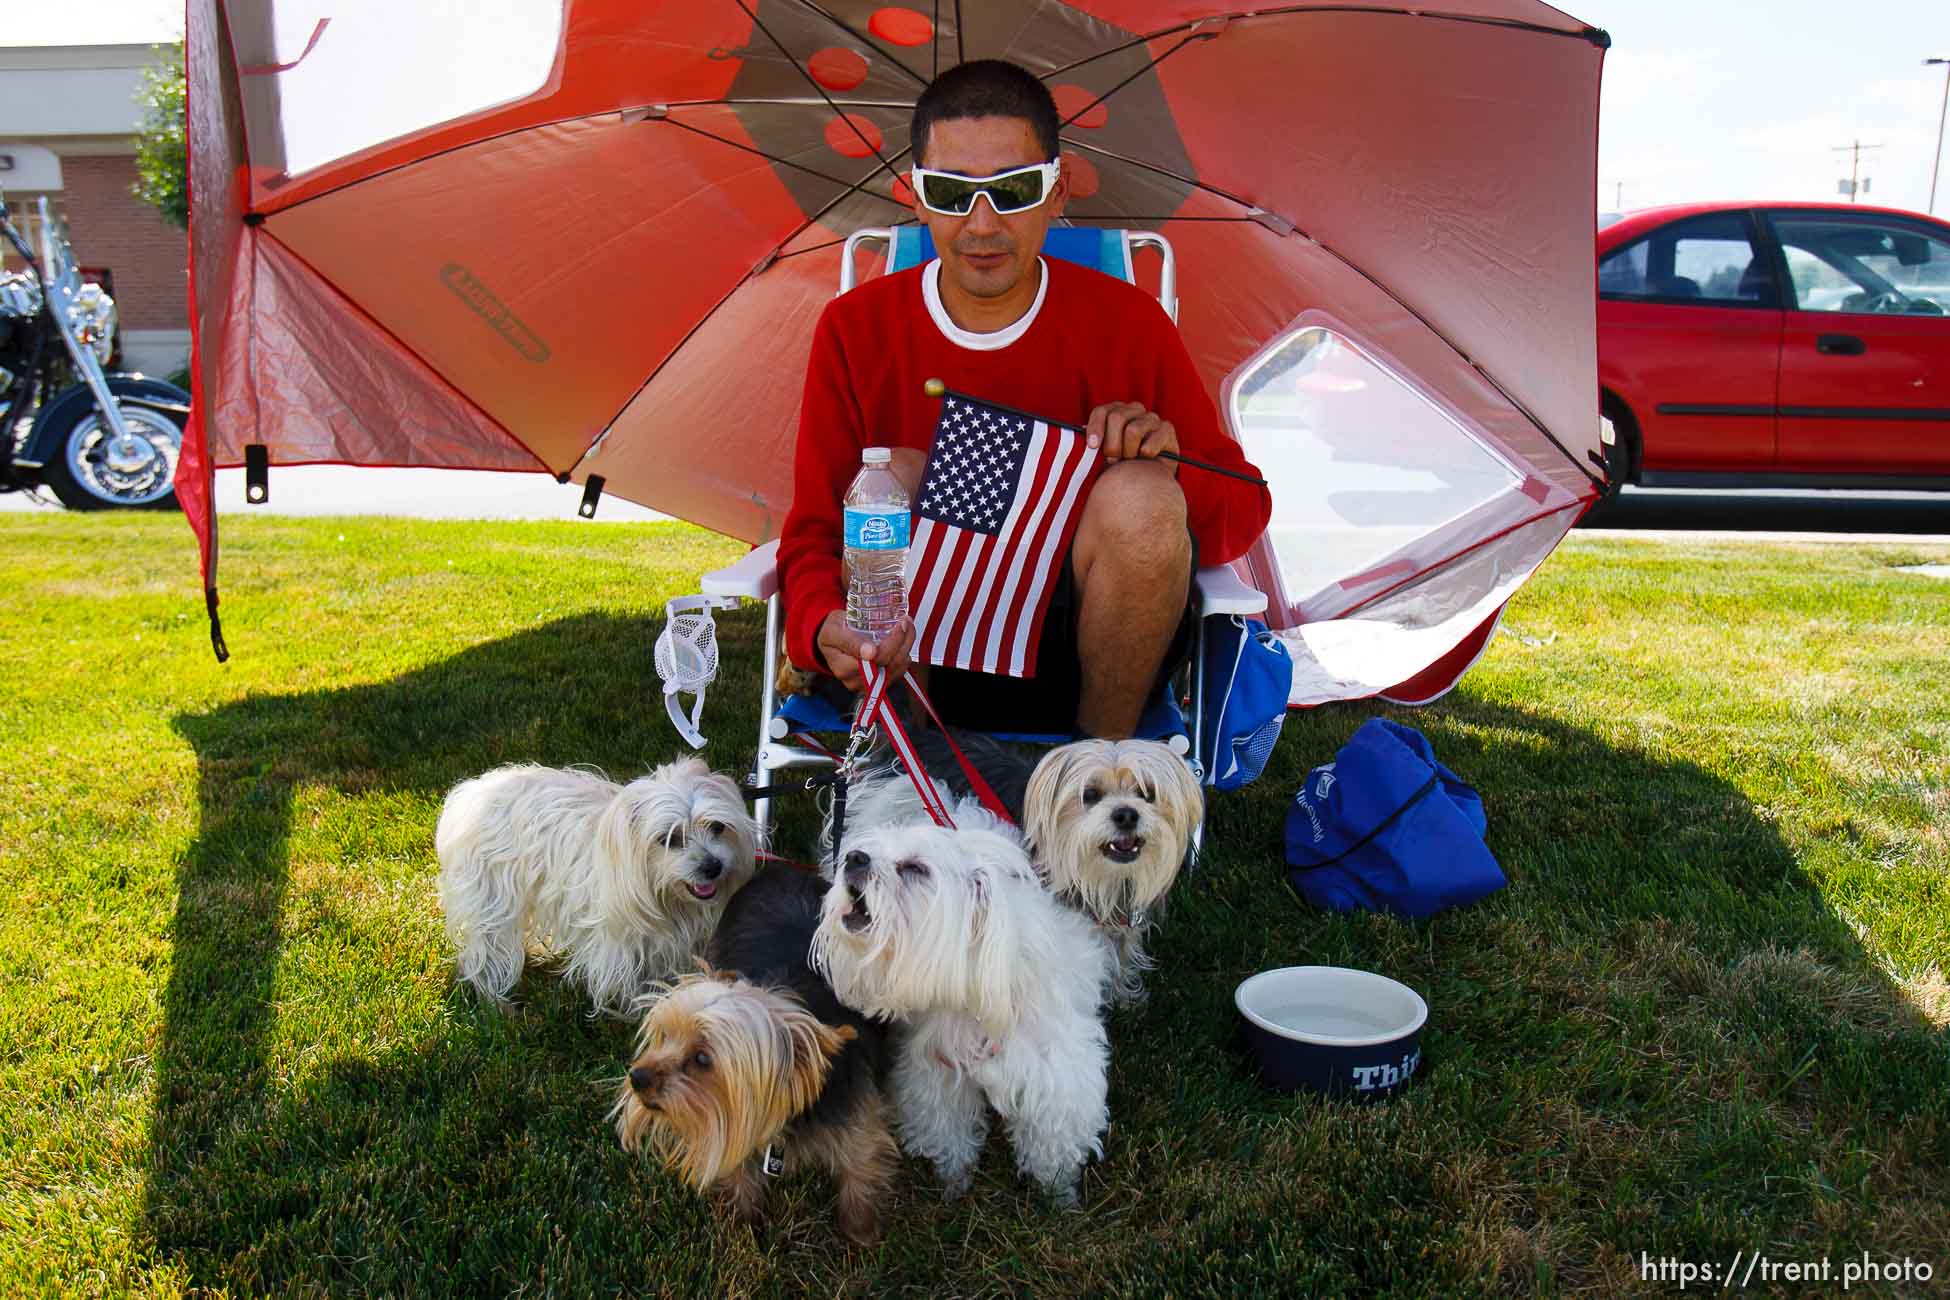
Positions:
{"x": 161, "y": 162}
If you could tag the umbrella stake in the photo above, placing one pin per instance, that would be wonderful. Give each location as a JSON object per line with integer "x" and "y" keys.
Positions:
{"x": 257, "y": 473}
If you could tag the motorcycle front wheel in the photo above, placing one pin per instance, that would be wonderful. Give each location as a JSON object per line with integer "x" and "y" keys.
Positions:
{"x": 93, "y": 469}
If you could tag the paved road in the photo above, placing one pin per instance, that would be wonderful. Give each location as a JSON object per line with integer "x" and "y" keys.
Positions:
{"x": 1772, "y": 515}
{"x": 421, "y": 493}
{"x": 467, "y": 494}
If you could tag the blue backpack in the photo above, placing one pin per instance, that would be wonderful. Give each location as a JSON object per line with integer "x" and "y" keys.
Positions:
{"x": 1248, "y": 676}
{"x": 1386, "y": 827}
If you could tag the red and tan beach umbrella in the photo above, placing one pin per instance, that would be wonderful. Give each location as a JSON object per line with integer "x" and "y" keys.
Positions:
{"x": 591, "y": 238}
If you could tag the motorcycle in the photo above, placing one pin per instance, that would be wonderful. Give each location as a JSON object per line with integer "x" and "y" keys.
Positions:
{"x": 98, "y": 440}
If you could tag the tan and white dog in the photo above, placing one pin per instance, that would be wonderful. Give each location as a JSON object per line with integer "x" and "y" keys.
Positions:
{"x": 1108, "y": 823}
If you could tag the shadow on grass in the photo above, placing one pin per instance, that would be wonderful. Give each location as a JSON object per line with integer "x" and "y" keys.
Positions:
{"x": 478, "y": 1160}
{"x": 238, "y": 1163}
{"x": 1660, "y": 1037}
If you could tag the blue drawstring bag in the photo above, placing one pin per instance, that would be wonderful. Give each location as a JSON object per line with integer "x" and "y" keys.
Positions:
{"x": 1248, "y": 676}
{"x": 1386, "y": 827}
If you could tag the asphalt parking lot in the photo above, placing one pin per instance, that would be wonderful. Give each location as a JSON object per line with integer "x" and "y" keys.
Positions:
{"x": 411, "y": 493}
{"x": 1776, "y": 515}
{"x": 1757, "y": 515}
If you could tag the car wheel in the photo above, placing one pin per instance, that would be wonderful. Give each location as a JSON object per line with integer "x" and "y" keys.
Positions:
{"x": 1626, "y": 446}
{"x": 93, "y": 469}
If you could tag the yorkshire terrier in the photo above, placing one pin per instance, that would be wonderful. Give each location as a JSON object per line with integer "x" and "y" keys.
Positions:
{"x": 754, "y": 1068}
{"x": 624, "y": 881}
{"x": 791, "y": 679}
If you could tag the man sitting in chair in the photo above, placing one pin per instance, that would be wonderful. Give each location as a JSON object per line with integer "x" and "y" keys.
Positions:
{"x": 1001, "y": 323}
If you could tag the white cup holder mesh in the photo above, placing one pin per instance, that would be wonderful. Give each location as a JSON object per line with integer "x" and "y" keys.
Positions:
{"x": 687, "y": 659}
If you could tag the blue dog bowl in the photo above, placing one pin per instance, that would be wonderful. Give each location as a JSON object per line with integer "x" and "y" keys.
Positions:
{"x": 1331, "y": 1030}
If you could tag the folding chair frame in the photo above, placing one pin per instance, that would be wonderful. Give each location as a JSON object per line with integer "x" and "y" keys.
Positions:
{"x": 1217, "y": 592}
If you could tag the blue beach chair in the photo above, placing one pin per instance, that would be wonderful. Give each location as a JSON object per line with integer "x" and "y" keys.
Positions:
{"x": 1218, "y": 592}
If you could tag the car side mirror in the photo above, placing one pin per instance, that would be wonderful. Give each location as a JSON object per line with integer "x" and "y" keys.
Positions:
{"x": 1910, "y": 250}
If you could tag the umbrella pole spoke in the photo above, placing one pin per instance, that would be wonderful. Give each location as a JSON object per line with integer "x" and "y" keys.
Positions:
{"x": 813, "y": 81}
{"x": 1133, "y": 77}
{"x": 864, "y": 39}
{"x": 849, "y": 187}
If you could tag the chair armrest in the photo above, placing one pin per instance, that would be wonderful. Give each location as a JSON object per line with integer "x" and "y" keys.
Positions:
{"x": 756, "y": 577}
{"x": 1221, "y": 592}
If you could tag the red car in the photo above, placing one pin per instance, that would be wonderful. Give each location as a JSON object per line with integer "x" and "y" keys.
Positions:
{"x": 1776, "y": 345}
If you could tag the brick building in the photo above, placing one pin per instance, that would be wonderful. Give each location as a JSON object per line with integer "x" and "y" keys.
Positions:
{"x": 68, "y": 122}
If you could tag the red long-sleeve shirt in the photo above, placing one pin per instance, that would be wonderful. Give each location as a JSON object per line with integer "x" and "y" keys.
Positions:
{"x": 1088, "y": 340}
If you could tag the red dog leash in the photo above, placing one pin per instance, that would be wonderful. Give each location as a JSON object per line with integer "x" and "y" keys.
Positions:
{"x": 877, "y": 710}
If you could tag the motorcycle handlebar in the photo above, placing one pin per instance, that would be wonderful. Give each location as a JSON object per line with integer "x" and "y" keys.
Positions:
{"x": 20, "y": 246}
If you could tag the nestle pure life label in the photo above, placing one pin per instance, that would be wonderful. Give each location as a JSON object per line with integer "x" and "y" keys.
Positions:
{"x": 871, "y": 529}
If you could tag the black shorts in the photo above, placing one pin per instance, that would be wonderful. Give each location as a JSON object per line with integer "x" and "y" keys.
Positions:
{"x": 1047, "y": 702}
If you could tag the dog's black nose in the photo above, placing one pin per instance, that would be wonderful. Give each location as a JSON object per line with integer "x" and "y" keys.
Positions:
{"x": 858, "y": 863}
{"x": 710, "y": 869}
{"x": 643, "y": 1079}
{"x": 1124, "y": 818}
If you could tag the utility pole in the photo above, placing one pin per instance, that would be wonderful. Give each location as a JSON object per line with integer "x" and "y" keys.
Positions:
{"x": 1936, "y": 159}
{"x": 1854, "y": 186}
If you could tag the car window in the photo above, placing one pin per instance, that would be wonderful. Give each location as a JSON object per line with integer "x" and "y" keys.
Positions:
{"x": 1622, "y": 274}
{"x": 1848, "y": 264}
{"x": 1710, "y": 260}
{"x": 1817, "y": 285}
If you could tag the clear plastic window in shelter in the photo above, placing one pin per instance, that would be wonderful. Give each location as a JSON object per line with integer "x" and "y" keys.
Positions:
{"x": 1362, "y": 464}
{"x": 410, "y": 67}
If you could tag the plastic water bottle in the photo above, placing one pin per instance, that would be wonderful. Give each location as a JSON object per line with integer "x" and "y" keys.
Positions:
{"x": 877, "y": 521}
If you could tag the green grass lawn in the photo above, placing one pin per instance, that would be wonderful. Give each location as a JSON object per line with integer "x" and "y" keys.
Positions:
{"x": 1709, "y": 1016}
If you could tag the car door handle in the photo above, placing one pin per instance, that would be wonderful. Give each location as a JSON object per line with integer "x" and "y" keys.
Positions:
{"x": 1840, "y": 345}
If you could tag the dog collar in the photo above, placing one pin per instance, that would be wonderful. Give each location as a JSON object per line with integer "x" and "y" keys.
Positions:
{"x": 988, "y": 1050}
{"x": 1118, "y": 918}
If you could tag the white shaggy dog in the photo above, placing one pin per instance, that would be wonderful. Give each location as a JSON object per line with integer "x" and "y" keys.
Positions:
{"x": 1002, "y": 988}
{"x": 1108, "y": 822}
{"x": 624, "y": 881}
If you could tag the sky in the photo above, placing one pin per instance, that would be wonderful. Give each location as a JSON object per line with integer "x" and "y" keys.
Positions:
{"x": 1703, "y": 99}
{"x": 1748, "y": 99}
{"x": 92, "y": 22}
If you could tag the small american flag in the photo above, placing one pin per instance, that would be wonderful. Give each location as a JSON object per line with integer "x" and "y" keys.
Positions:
{"x": 997, "y": 510}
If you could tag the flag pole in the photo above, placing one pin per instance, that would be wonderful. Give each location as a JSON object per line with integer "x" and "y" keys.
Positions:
{"x": 936, "y": 388}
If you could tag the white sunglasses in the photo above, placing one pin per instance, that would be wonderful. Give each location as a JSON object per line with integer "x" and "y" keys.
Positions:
{"x": 1016, "y": 190}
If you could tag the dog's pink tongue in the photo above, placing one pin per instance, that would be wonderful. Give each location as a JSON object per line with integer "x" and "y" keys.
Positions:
{"x": 704, "y": 891}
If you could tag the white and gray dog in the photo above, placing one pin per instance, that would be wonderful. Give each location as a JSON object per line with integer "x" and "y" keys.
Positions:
{"x": 1001, "y": 987}
{"x": 626, "y": 882}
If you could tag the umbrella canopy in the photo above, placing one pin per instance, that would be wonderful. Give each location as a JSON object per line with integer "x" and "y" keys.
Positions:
{"x": 591, "y": 237}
